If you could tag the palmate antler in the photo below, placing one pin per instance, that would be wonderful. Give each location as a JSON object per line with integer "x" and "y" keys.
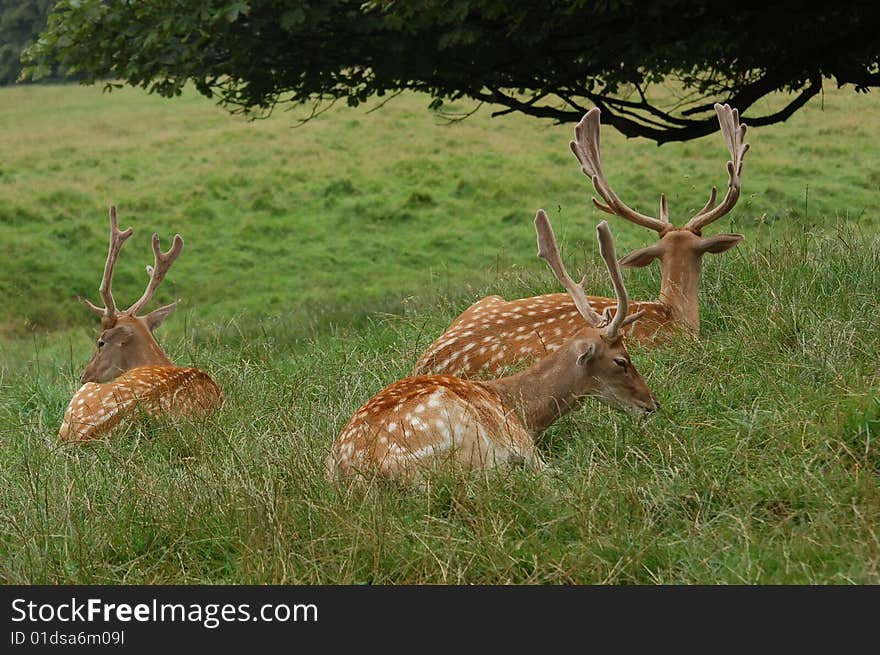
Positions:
{"x": 157, "y": 272}
{"x": 549, "y": 252}
{"x": 586, "y": 148}
{"x": 734, "y": 132}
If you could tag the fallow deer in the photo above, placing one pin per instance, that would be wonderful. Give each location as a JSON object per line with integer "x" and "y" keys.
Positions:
{"x": 129, "y": 370}
{"x": 421, "y": 421}
{"x": 531, "y": 327}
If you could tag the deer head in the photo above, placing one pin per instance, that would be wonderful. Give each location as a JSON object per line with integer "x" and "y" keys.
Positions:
{"x": 126, "y": 339}
{"x": 679, "y": 250}
{"x": 598, "y": 360}
{"x": 594, "y": 362}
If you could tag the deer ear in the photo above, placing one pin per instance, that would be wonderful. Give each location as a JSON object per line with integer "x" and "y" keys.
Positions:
{"x": 719, "y": 243}
{"x": 641, "y": 257}
{"x": 154, "y": 318}
{"x": 587, "y": 355}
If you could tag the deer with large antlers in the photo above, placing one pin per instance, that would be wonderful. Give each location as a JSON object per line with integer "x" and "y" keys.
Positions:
{"x": 129, "y": 370}
{"x": 494, "y": 333}
{"x": 422, "y": 421}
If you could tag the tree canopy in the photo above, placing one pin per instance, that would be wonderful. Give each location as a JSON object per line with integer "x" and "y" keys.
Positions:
{"x": 655, "y": 67}
{"x": 20, "y": 23}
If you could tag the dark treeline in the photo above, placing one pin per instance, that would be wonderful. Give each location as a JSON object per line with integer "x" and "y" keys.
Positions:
{"x": 21, "y": 21}
{"x": 552, "y": 60}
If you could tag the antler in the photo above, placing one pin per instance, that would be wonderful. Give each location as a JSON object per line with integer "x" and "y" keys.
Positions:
{"x": 549, "y": 252}
{"x": 586, "y": 149}
{"x": 607, "y": 250}
{"x": 117, "y": 238}
{"x": 162, "y": 262}
{"x": 733, "y": 132}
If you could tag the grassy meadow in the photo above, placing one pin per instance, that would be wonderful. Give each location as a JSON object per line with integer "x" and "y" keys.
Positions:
{"x": 321, "y": 260}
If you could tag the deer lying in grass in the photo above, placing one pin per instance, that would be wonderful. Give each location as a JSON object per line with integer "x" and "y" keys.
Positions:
{"x": 421, "y": 421}
{"x": 526, "y": 328}
{"x": 129, "y": 370}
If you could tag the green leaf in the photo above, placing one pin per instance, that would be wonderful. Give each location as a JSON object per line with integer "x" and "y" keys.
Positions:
{"x": 292, "y": 18}
{"x": 235, "y": 10}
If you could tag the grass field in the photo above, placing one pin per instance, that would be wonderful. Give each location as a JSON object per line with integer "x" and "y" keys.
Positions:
{"x": 320, "y": 261}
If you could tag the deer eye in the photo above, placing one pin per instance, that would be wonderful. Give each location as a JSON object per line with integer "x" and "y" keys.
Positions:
{"x": 621, "y": 362}
{"x": 101, "y": 343}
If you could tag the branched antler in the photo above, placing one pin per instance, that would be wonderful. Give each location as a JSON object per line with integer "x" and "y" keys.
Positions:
{"x": 586, "y": 149}
{"x": 609, "y": 254}
{"x": 733, "y": 132}
{"x": 549, "y": 252}
{"x": 162, "y": 262}
{"x": 117, "y": 238}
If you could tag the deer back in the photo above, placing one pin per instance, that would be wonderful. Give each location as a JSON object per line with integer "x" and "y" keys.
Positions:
{"x": 495, "y": 334}
{"x": 156, "y": 390}
{"x": 421, "y": 421}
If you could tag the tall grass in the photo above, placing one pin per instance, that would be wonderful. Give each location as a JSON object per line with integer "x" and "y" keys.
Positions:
{"x": 762, "y": 467}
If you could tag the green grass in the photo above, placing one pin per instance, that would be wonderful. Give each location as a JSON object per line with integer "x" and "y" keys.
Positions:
{"x": 320, "y": 262}
{"x": 358, "y": 210}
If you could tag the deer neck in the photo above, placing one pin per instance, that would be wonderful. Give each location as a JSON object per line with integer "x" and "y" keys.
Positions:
{"x": 679, "y": 289}
{"x": 148, "y": 353}
{"x": 541, "y": 394}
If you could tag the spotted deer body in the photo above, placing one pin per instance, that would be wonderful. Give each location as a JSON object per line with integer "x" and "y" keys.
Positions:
{"x": 494, "y": 333}
{"x": 431, "y": 417}
{"x": 129, "y": 372}
{"x": 98, "y": 407}
{"x": 426, "y": 420}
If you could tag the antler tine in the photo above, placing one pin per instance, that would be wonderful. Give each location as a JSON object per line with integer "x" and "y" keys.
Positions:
{"x": 549, "y": 252}
{"x": 117, "y": 238}
{"x": 607, "y": 250}
{"x": 586, "y": 149}
{"x": 733, "y": 132}
{"x": 664, "y": 209}
{"x": 713, "y": 194}
{"x": 162, "y": 262}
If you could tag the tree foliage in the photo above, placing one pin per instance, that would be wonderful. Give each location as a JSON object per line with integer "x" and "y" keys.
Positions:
{"x": 551, "y": 59}
{"x": 20, "y": 23}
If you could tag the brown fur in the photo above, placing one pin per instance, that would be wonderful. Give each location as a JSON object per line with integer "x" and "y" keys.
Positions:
{"x": 424, "y": 420}
{"x": 505, "y": 333}
{"x": 157, "y": 390}
{"x": 129, "y": 370}
{"x": 494, "y": 333}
